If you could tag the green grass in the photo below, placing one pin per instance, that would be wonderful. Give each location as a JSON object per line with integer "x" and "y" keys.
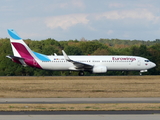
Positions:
{"x": 75, "y": 107}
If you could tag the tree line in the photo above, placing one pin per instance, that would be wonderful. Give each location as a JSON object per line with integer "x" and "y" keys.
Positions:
{"x": 147, "y": 49}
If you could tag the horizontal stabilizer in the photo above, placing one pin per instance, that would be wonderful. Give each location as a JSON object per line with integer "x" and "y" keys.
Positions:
{"x": 19, "y": 59}
{"x": 14, "y": 57}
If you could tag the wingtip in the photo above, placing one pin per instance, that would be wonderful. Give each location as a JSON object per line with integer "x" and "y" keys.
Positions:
{"x": 13, "y": 34}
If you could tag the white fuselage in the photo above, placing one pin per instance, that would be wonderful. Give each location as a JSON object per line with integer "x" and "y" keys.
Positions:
{"x": 111, "y": 62}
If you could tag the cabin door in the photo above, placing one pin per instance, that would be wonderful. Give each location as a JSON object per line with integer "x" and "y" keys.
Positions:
{"x": 139, "y": 62}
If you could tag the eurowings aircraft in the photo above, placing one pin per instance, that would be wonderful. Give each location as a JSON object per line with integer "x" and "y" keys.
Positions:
{"x": 95, "y": 64}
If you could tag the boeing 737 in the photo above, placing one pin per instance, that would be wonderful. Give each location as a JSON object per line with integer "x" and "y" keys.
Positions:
{"x": 95, "y": 64}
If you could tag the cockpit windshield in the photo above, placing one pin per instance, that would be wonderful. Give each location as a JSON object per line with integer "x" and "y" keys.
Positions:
{"x": 146, "y": 60}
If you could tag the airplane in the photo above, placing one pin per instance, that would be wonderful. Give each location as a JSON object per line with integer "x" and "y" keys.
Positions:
{"x": 94, "y": 64}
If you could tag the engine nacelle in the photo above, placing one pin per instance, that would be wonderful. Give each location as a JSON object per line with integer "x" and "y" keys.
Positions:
{"x": 99, "y": 69}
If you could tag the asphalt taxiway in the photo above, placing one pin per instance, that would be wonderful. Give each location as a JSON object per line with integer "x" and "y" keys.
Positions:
{"x": 80, "y": 117}
{"x": 67, "y": 116}
{"x": 76, "y": 100}
{"x": 130, "y": 112}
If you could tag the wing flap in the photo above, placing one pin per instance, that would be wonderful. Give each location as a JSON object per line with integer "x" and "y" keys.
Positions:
{"x": 82, "y": 65}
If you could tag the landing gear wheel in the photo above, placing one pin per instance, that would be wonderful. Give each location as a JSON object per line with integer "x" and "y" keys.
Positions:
{"x": 140, "y": 73}
{"x": 81, "y": 73}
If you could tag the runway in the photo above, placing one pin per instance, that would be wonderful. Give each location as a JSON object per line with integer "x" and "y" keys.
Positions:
{"x": 112, "y": 115}
{"x": 156, "y": 112}
{"x": 76, "y": 100}
{"x": 79, "y": 115}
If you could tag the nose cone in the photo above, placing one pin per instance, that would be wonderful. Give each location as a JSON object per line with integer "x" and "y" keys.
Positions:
{"x": 153, "y": 64}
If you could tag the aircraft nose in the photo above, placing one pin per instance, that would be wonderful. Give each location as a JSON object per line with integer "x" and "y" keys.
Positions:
{"x": 153, "y": 64}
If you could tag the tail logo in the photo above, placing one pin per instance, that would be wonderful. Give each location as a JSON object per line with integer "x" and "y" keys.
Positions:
{"x": 21, "y": 50}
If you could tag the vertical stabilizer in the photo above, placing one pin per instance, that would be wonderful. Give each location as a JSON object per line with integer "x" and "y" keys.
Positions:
{"x": 21, "y": 51}
{"x": 19, "y": 47}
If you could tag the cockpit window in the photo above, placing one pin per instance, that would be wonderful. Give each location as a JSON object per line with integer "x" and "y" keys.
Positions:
{"x": 146, "y": 60}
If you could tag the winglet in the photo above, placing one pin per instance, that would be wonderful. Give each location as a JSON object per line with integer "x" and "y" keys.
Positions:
{"x": 55, "y": 54}
{"x": 66, "y": 56}
{"x": 13, "y": 34}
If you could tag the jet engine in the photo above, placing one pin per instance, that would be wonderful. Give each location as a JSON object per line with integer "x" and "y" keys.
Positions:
{"x": 99, "y": 69}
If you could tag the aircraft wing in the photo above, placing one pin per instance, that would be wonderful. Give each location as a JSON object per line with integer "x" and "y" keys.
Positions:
{"x": 79, "y": 65}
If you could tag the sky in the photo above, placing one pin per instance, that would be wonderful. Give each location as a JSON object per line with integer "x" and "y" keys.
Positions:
{"x": 77, "y": 19}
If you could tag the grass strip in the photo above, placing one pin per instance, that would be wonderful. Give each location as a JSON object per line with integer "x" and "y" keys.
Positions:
{"x": 80, "y": 87}
{"x": 80, "y": 107}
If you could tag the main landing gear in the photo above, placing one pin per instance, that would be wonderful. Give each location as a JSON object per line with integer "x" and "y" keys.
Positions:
{"x": 140, "y": 73}
{"x": 81, "y": 73}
